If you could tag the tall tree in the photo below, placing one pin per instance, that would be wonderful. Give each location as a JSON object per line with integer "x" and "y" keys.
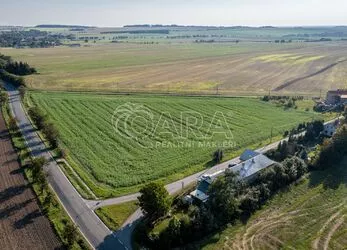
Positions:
{"x": 154, "y": 200}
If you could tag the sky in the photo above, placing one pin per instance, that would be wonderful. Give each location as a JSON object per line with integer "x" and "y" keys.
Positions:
{"x": 116, "y": 13}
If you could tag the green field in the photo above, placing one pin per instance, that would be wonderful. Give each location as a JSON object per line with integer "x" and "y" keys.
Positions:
{"x": 116, "y": 160}
{"x": 312, "y": 215}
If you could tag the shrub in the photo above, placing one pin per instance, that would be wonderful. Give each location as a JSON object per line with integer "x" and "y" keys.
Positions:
{"x": 12, "y": 123}
{"x": 51, "y": 133}
{"x": 48, "y": 128}
{"x": 15, "y": 80}
{"x": 3, "y": 98}
{"x": 37, "y": 116}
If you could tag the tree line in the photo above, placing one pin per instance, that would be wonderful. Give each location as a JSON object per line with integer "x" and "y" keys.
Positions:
{"x": 331, "y": 151}
{"x": 230, "y": 199}
{"x": 13, "y": 71}
{"x": 42, "y": 123}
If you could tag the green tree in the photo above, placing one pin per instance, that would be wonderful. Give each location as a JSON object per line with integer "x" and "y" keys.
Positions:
{"x": 3, "y": 98}
{"x": 37, "y": 116}
{"x": 42, "y": 181}
{"x": 218, "y": 156}
{"x": 51, "y": 134}
{"x": 12, "y": 123}
{"x": 222, "y": 201}
{"x": 37, "y": 165}
{"x": 154, "y": 200}
{"x": 70, "y": 234}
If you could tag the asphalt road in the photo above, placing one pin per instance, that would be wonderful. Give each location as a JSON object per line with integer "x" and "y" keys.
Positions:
{"x": 173, "y": 188}
{"x": 177, "y": 185}
{"x": 82, "y": 211}
{"x": 98, "y": 235}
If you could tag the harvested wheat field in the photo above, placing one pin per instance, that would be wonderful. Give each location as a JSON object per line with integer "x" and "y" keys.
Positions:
{"x": 22, "y": 225}
{"x": 226, "y": 68}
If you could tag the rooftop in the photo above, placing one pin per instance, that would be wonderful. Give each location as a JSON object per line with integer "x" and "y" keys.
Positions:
{"x": 244, "y": 170}
{"x": 252, "y": 166}
{"x": 248, "y": 154}
{"x": 338, "y": 91}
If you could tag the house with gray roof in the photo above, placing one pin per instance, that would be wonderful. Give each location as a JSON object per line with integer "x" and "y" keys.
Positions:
{"x": 248, "y": 154}
{"x": 246, "y": 170}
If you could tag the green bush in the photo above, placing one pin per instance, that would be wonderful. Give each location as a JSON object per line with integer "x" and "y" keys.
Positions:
{"x": 15, "y": 80}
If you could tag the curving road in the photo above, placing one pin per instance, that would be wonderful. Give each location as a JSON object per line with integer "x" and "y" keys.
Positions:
{"x": 82, "y": 211}
{"x": 97, "y": 234}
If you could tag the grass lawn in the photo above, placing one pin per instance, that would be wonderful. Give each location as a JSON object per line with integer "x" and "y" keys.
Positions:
{"x": 114, "y": 161}
{"x": 114, "y": 216}
{"x": 310, "y": 215}
{"x": 163, "y": 224}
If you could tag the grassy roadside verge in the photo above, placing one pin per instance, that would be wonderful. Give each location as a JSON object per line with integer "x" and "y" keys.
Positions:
{"x": 69, "y": 171}
{"x": 54, "y": 211}
{"x": 76, "y": 182}
{"x": 114, "y": 216}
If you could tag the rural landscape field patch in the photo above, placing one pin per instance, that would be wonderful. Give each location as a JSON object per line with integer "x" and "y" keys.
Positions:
{"x": 312, "y": 215}
{"x": 110, "y": 162}
{"x": 229, "y": 68}
{"x": 22, "y": 222}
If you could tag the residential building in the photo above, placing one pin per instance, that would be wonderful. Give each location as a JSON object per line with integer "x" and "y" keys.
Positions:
{"x": 246, "y": 170}
{"x": 335, "y": 97}
{"x": 248, "y": 154}
{"x": 330, "y": 128}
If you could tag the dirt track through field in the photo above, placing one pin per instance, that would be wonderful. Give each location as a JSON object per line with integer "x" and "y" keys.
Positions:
{"x": 287, "y": 84}
{"x": 262, "y": 233}
{"x": 22, "y": 224}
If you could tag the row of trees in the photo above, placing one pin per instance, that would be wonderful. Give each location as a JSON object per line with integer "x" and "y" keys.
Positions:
{"x": 15, "y": 80}
{"x": 283, "y": 97}
{"x": 230, "y": 199}
{"x": 297, "y": 144}
{"x": 39, "y": 177}
{"x": 19, "y": 68}
{"x": 12, "y": 71}
{"x": 285, "y": 101}
{"x": 42, "y": 123}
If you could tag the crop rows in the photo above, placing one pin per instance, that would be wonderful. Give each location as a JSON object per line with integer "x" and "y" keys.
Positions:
{"x": 111, "y": 159}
